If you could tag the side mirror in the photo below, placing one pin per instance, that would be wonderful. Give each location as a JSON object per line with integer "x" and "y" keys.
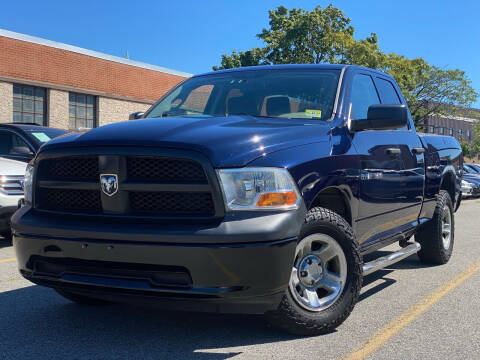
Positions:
{"x": 136, "y": 115}
{"x": 382, "y": 117}
{"x": 21, "y": 151}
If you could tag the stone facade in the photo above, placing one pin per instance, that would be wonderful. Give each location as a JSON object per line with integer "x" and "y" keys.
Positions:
{"x": 6, "y": 102}
{"x": 113, "y": 110}
{"x": 57, "y": 109}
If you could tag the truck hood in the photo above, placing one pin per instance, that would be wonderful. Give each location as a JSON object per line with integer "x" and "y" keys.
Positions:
{"x": 232, "y": 141}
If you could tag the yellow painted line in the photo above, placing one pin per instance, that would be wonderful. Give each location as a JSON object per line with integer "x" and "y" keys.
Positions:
{"x": 7, "y": 260}
{"x": 399, "y": 323}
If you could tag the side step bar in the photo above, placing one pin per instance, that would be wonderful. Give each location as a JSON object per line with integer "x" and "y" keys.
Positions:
{"x": 390, "y": 259}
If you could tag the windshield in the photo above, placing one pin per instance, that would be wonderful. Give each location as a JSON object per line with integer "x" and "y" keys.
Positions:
{"x": 300, "y": 94}
{"x": 41, "y": 136}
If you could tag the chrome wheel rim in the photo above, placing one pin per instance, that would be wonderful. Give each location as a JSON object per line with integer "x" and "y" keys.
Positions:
{"x": 446, "y": 227}
{"x": 319, "y": 272}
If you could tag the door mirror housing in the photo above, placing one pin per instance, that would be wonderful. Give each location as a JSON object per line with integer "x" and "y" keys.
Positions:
{"x": 21, "y": 151}
{"x": 136, "y": 115}
{"x": 382, "y": 117}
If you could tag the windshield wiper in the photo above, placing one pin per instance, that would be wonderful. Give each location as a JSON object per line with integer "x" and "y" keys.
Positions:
{"x": 259, "y": 116}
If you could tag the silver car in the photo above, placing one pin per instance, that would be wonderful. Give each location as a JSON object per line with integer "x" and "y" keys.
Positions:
{"x": 11, "y": 191}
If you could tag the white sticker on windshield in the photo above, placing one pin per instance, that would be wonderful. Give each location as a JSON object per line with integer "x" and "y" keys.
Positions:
{"x": 42, "y": 137}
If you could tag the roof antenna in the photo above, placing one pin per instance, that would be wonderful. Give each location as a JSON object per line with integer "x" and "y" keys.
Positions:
{"x": 126, "y": 55}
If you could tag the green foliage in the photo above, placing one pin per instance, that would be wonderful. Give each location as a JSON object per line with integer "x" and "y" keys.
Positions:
{"x": 326, "y": 36}
{"x": 299, "y": 36}
{"x": 472, "y": 148}
{"x": 251, "y": 57}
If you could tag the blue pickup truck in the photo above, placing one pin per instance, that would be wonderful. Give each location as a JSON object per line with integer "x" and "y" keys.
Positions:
{"x": 254, "y": 190}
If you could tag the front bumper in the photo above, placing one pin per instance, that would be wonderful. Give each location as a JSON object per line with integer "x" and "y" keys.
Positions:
{"x": 242, "y": 264}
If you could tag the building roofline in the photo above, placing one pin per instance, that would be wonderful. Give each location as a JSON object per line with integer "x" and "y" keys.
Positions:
{"x": 96, "y": 54}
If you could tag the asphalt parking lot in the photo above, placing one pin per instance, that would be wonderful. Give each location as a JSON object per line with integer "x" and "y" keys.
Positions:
{"x": 407, "y": 311}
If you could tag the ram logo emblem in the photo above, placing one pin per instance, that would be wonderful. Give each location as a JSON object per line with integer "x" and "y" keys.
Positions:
{"x": 109, "y": 184}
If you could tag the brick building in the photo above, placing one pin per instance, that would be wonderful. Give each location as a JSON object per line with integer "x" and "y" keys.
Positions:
{"x": 460, "y": 126}
{"x": 64, "y": 86}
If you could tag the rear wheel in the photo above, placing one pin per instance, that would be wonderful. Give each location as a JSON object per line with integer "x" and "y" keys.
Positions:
{"x": 326, "y": 277}
{"x": 437, "y": 236}
{"x": 81, "y": 299}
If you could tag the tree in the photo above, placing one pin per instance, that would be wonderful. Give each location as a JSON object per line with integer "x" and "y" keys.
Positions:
{"x": 429, "y": 90}
{"x": 326, "y": 36}
{"x": 255, "y": 56}
{"x": 472, "y": 148}
{"x": 300, "y": 36}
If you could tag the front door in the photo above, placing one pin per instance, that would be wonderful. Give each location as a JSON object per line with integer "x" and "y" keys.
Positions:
{"x": 391, "y": 178}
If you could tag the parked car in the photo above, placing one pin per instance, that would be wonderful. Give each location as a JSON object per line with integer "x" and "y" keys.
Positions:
{"x": 470, "y": 181}
{"x": 474, "y": 169}
{"x": 252, "y": 190}
{"x": 20, "y": 141}
{"x": 11, "y": 191}
{"x": 18, "y": 145}
{"x": 475, "y": 166}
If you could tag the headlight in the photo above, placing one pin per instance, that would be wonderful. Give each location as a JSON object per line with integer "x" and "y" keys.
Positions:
{"x": 28, "y": 184}
{"x": 258, "y": 188}
{"x": 466, "y": 184}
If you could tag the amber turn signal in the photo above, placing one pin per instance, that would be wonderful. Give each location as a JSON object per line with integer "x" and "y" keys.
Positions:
{"x": 277, "y": 199}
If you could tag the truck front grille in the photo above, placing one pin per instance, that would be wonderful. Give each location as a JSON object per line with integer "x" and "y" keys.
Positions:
{"x": 11, "y": 185}
{"x": 72, "y": 168}
{"x": 149, "y": 185}
{"x": 71, "y": 200}
{"x": 165, "y": 203}
{"x": 164, "y": 169}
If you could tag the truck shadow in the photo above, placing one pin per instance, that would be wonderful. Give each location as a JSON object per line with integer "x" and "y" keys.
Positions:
{"x": 4, "y": 242}
{"x": 380, "y": 276}
{"x": 38, "y": 323}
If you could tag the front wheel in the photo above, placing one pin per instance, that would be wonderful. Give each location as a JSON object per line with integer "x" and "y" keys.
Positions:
{"x": 326, "y": 277}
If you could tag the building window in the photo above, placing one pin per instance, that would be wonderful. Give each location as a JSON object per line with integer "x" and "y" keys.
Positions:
{"x": 431, "y": 129}
{"x": 460, "y": 133}
{"x": 450, "y": 131}
{"x": 81, "y": 109}
{"x": 29, "y": 104}
{"x": 441, "y": 130}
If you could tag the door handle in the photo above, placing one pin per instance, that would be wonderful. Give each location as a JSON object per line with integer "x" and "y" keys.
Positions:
{"x": 393, "y": 151}
{"x": 418, "y": 150}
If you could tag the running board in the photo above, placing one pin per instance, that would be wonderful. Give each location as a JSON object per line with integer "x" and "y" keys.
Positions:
{"x": 390, "y": 259}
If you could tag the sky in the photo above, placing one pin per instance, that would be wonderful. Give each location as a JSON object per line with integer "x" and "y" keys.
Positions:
{"x": 190, "y": 36}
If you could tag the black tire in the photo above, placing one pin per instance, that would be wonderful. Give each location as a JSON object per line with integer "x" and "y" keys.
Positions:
{"x": 81, "y": 299}
{"x": 7, "y": 236}
{"x": 430, "y": 235}
{"x": 293, "y": 318}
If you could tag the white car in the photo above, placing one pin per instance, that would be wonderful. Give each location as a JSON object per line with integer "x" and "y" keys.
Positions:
{"x": 11, "y": 191}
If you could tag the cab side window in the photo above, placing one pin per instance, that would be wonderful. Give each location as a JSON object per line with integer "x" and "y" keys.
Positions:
{"x": 5, "y": 143}
{"x": 388, "y": 95}
{"x": 363, "y": 95}
{"x": 9, "y": 141}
